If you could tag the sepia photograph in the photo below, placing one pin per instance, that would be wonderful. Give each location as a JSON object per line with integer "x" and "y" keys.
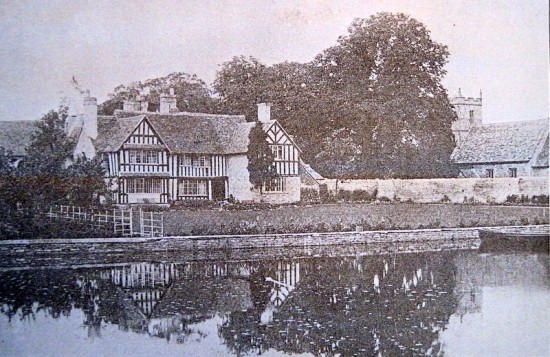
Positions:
{"x": 274, "y": 178}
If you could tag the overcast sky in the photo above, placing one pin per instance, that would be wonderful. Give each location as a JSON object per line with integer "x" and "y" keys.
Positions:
{"x": 498, "y": 46}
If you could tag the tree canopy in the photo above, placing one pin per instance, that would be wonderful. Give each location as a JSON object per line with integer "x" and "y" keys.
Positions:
{"x": 370, "y": 106}
{"x": 192, "y": 94}
{"x": 49, "y": 175}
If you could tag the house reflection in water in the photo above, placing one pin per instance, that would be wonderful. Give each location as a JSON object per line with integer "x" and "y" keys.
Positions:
{"x": 366, "y": 305}
{"x": 145, "y": 283}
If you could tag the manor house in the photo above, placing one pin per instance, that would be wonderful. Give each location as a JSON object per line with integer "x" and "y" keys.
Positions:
{"x": 169, "y": 156}
{"x": 514, "y": 149}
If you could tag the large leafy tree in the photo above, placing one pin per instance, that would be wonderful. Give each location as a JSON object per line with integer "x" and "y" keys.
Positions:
{"x": 261, "y": 166}
{"x": 42, "y": 172}
{"x": 192, "y": 94}
{"x": 242, "y": 83}
{"x": 389, "y": 62}
{"x": 49, "y": 174}
{"x": 370, "y": 106}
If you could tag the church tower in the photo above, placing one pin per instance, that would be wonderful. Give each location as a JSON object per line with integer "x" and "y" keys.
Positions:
{"x": 468, "y": 111}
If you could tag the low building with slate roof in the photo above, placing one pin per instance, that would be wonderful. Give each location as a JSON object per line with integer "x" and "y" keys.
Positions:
{"x": 15, "y": 137}
{"x": 170, "y": 156}
{"x": 515, "y": 149}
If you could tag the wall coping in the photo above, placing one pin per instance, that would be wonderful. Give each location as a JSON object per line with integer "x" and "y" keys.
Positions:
{"x": 266, "y": 236}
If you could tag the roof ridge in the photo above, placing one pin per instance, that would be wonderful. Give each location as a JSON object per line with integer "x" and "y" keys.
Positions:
{"x": 512, "y": 122}
{"x": 179, "y": 113}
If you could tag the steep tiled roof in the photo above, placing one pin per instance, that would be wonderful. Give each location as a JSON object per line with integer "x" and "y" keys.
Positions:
{"x": 505, "y": 142}
{"x": 542, "y": 158}
{"x": 15, "y": 136}
{"x": 194, "y": 133}
{"x": 112, "y": 131}
{"x": 310, "y": 171}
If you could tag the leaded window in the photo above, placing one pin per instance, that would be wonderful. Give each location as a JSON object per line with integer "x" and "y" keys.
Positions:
{"x": 276, "y": 184}
{"x": 143, "y": 185}
{"x": 193, "y": 188}
{"x": 143, "y": 157}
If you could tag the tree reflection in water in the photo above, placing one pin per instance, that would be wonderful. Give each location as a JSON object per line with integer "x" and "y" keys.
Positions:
{"x": 360, "y": 305}
{"x": 391, "y": 305}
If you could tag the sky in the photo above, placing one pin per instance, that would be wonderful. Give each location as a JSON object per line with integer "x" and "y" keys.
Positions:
{"x": 497, "y": 46}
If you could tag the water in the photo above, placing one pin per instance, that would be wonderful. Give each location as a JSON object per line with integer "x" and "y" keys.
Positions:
{"x": 457, "y": 303}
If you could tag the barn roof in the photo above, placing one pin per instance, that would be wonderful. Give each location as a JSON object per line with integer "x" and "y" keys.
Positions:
{"x": 15, "y": 136}
{"x": 503, "y": 142}
{"x": 542, "y": 158}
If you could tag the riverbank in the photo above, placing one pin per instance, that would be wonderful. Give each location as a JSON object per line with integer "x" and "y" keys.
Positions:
{"x": 71, "y": 252}
{"x": 346, "y": 217}
{"x": 76, "y": 253}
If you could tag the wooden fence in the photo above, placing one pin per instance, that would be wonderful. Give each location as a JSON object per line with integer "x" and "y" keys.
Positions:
{"x": 119, "y": 221}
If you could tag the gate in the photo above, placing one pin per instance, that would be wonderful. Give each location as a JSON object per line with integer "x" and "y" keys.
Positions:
{"x": 151, "y": 224}
{"x": 122, "y": 222}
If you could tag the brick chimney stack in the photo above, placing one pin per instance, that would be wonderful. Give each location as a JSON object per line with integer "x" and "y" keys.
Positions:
{"x": 131, "y": 105}
{"x": 89, "y": 113}
{"x": 264, "y": 112}
{"x": 168, "y": 102}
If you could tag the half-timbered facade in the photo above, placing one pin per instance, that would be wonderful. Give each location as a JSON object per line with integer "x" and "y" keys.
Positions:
{"x": 156, "y": 157}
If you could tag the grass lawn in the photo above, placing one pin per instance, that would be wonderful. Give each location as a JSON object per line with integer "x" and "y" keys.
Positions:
{"x": 345, "y": 216}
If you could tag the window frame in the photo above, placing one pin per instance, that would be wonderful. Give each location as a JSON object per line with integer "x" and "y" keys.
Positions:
{"x": 194, "y": 188}
{"x": 278, "y": 151}
{"x": 277, "y": 185}
{"x": 144, "y": 185}
{"x": 143, "y": 157}
{"x": 196, "y": 161}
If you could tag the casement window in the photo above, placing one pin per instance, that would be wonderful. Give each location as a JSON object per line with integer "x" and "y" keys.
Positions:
{"x": 143, "y": 157}
{"x": 192, "y": 188}
{"x": 143, "y": 185}
{"x": 186, "y": 160}
{"x": 195, "y": 161}
{"x": 278, "y": 151}
{"x": 513, "y": 172}
{"x": 490, "y": 173}
{"x": 277, "y": 184}
{"x": 201, "y": 161}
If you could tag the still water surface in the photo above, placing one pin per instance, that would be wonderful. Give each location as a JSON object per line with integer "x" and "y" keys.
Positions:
{"x": 457, "y": 303}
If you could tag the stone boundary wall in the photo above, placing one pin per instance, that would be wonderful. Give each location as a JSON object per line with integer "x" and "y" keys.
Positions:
{"x": 457, "y": 190}
{"x": 79, "y": 252}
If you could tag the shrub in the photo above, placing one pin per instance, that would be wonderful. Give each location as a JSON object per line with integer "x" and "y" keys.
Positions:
{"x": 310, "y": 195}
{"x": 540, "y": 200}
{"x": 363, "y": 195}
{"x": 344, "y": 195}
{"x": 512, "y": 198}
